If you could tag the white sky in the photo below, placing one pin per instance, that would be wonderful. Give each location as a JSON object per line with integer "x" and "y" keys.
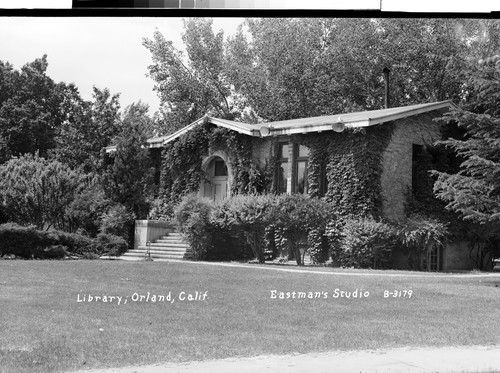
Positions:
{"x": 103, "y": 51}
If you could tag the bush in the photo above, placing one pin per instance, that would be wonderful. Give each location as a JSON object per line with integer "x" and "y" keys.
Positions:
{"x": 118, "y": 221}
{"x": 28, "y": 243}
{"x": 85, "y": 212}
{"x": 74, "y": 242}
{"x": 193, "y": 216}
{"x": 109, "y": 244}
{"x": 294, "y": 216}
{"x": 363, "y": 243}
{"x": 248, "y": 215}
{"x": 419, "y": 236}
{"x": 25, "y": 242}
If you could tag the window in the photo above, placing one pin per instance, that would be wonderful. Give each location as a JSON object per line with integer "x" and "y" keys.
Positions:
{"x": 283, "y": 168}
{"x": 293, "y": 161}
{"x": 436, "y": 259}
{"x": 220, "y": 168}
{"x": 301, "y": 162}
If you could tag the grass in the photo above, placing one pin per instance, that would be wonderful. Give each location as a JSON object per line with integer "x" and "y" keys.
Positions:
{"x": 44, "y": 328}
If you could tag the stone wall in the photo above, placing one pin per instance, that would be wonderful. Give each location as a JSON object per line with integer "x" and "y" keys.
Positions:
{"x": 396, "y": 177}
{"x": 150, "y": 230}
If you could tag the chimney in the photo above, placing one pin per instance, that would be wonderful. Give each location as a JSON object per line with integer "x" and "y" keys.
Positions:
{"x": 387, "y": 102}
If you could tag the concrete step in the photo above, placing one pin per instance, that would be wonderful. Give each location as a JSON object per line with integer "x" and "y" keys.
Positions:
{"x": 142, "y": 255}
{"x": 170, "y": 246}
{"x": 143, "y": 252}
{"x": 171, "y": 241}
{"x": 172, "y": 235}
{"x": 163, "y": 248}
{"x": 167, "y": 245}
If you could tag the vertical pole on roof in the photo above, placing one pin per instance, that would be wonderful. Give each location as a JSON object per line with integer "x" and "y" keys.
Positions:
{"x": 387, "y": 102}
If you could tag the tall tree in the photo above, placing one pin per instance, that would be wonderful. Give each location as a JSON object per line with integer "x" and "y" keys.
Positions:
{"x": 130, "y": 176}
{"x": 474, "y": 192}
{"x": 193, "y": 85}
{"x": 292, "y": 68}
{"x": 88, "y": 127}
{"x": 30, "y": 112}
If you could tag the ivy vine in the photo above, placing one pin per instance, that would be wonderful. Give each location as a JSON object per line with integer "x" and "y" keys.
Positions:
{"x": 353, "y": 165}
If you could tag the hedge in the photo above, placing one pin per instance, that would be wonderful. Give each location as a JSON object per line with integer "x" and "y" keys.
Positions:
{"x": 28, "y": 242}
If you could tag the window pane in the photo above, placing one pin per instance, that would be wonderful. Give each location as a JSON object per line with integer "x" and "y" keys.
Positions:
{"x": 303, "y": 151}
{"x": 283, "y": 151}
{"x": 283, "y": 173}
{"x": 220, "y": 168}
{"x": 301, "y": 177}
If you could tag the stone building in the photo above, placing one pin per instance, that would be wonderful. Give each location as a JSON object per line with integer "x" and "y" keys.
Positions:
{"x": 367, "y": 161}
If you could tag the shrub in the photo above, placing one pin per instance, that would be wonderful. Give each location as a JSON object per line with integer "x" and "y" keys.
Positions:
{"x": 363, "y": 243}
{"x": 193, "y": 215}
{"x": 109, "y": 244}
{"x": 37, "y": 191}
{"x": 318, "y": 245}
{"x": 25, "y": 242}
{"x": 74, "y": 242}
{"x": 28, "y": 242}
{"x": 248, "y": 214}
{"x": 294, "y": 216}
{"x": 85, "y": 212}
{"x": 118, "y": 221}
{"x": 419, "y": 236}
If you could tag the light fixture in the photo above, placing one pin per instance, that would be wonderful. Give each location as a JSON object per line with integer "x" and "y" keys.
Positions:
{"x": 264, "y": 131}
{"x": 339, "y": 125}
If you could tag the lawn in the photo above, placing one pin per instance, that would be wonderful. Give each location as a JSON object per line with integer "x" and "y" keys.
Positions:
{"x": 47, "y": 322}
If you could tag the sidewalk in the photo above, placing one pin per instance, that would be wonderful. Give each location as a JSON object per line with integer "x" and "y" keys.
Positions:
{"x": 471, "y": 359}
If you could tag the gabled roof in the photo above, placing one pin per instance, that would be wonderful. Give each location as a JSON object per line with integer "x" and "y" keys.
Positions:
{"x": 309, "y": 125}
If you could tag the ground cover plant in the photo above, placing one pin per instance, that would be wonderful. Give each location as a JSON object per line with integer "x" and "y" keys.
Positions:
{"x": 45, "y": 328}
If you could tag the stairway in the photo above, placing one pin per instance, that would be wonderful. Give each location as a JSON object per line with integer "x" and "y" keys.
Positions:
{"x": 170, "y": 246}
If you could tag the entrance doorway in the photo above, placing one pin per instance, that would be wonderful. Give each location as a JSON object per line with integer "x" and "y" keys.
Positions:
{"x": 215, "y": 187}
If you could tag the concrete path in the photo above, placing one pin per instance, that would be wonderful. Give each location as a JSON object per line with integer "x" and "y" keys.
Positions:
{"x": 471, "y": 359}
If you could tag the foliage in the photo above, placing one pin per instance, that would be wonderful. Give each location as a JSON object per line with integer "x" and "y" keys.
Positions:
{"x": 129, "y": 178}
{"x": 28, "y": 242}
{"x": 295, "y": 216}
{"x": 91, "y": 124}
{"x": 474, "y": 191}
{"x": 193, "y": 216}
{"x": 37, "y": 191}
{"x": 194, "y": 86}
{"x": 300, "y": 67}
{"x": 352, "y": 162}
{"x": 109, "y": 244}
{"x": 364, "y": 243}
{"x": 317, "y": 243}
{"x": 248, "y": 214}
{"x": 117, "y": 221}
{"x": 85, "y": 212}
{"x": 419, "y": 237}
{"x": 30, "y": 109}
{"x": 182, "y": 172}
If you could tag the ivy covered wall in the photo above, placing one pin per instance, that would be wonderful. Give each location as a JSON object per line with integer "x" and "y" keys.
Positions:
{"x": 363, "y": 172}
{"x": 352, "y": 162}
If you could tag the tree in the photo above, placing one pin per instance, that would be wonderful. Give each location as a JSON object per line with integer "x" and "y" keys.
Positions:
{"x": 194, "y": 86}
{"x": 36, "y": 191}
{"x": 90, "y": 124}
{"x": 474, "y": 192}
{"x": 129, "y": 178}
{"x": 30, "y": 109}
{"x": 295, "y": 68}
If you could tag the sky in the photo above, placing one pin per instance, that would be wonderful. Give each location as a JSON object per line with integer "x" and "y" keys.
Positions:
{"x": 103, "y": 51}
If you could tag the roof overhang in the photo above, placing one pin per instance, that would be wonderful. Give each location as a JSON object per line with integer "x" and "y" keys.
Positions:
{"x": 308, "y": 125}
